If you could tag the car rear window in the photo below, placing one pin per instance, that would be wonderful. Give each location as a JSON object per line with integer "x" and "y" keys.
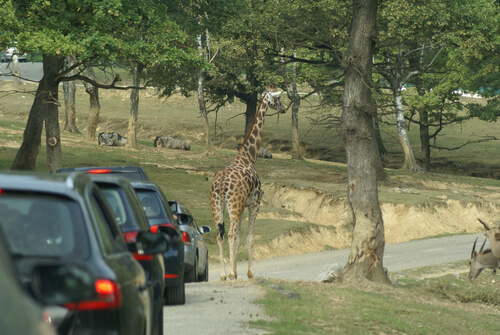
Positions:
{"x": 153, "y": 206}
{"x": 117, "y": 200}
{"x": 43, "y": 225}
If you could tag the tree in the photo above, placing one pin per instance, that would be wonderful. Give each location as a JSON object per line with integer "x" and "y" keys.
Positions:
{"x": 69, "y": 88}
{"x": 428, "y": 45}
{"x": 98, "y": 32}
{"x": 367, "y": 248}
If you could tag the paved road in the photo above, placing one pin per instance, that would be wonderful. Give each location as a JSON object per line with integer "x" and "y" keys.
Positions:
{"x": 226, "y": 307}
{"x": 29, "y": 71}
{"x": 397, "y": 257}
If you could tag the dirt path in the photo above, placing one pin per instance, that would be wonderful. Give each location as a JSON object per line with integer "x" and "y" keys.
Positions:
{"x": 216, "y": 308}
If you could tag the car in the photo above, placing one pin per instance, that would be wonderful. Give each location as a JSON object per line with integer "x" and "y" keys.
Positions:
{"x": 161, "y": 218}
{"x": 6, "y": 55}
{"x": 53, "y": 218}
{"x": 195, "y": 248}
{"x": 128, "y": 172}
{"x": 24, "y": 314}
{"x": 132, "y": 219}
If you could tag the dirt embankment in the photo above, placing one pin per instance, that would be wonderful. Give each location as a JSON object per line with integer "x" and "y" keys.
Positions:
{"x": 402, "y": 221}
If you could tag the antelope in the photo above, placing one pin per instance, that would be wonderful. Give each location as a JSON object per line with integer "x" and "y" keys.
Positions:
{"x": 493, "y": 233}
{"x": 482, "y": 260}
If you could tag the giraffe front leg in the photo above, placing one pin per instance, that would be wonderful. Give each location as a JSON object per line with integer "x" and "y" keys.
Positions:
{"x": 220, "y": 242}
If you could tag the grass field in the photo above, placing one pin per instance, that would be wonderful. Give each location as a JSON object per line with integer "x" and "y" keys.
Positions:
{"x": 304, "y": 209}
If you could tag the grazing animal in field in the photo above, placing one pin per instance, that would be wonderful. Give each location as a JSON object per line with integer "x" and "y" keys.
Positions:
{"x": 482, "y": 260}
{"x": 261, "y": 153}
{"x": 171, "y": 143}
{"x": 264, "y": 153}
{"x": 111, "y": 139}
{"x": 238, "y": 186}
{"x": 493, "y": 233}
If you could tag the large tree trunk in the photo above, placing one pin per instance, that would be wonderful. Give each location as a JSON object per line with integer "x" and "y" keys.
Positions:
{"x": 95, "y": 106}
{"x": 44, "y": 108}
{"x": 251, "y": 101}
{"x": 69, "y": 88}
{"x": 134, "y": 106}
{"x": 367, "y": 248}
{"x": 409, "y": 163}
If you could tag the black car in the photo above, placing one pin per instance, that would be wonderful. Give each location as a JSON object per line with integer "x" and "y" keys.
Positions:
{"x": 24, "y": 315}
{"x": 128, "y": 172}
{"x": 49, "y": 219}
{"x": 160, "y": 218}
{"x": 131, "y": 218}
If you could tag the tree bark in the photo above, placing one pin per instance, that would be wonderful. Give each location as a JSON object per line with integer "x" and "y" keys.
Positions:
{"x": 69, "y": 88}
{"x": 295, "y": 112}
{"x": 95, "y": 106}
{"x": 44, "y": 108}
{"x": 357, "y": 124}
{"x": 134, "y": 106}
{"x": 16, "y": 70}
{"x": 251, "y": 103}
{"x": 201, "y": 98}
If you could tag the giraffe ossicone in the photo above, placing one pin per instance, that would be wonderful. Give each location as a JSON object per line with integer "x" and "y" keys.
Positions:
{"x": 238, "y": 187}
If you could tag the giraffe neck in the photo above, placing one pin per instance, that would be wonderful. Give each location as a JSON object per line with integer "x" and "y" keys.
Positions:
{"x": 252, "y": 142}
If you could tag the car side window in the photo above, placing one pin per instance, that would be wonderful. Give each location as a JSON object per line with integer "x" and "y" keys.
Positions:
{"x": 112, "y": 242}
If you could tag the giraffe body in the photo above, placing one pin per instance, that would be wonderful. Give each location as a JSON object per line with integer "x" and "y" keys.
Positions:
{"x": 238, "y": 187}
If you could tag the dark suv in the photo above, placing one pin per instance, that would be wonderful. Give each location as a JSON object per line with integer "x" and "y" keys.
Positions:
{"x": 160, "y": 218}
{"x": 50, "y": 219}
{"x": 132, "y": 220}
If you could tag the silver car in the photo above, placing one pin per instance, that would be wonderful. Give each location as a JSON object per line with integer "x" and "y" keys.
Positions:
{"x": 6, "y": 55}
{"x": 195, "y": 248}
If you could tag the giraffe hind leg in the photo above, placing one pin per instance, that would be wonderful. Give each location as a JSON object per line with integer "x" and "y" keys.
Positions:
{"x": 220, "y": 242}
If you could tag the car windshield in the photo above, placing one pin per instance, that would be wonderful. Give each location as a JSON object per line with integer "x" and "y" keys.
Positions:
{"x": 43, "y": 225}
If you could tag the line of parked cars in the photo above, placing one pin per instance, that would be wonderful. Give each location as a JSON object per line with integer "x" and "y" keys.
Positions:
{"x": 94, "y": 251}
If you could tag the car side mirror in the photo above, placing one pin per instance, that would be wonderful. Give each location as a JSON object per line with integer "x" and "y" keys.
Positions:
{"x": 184, "y": 218}
{"x": 205, "y": 229}
{"x": 150, "y": 243}
{"x": 62, "y": 283}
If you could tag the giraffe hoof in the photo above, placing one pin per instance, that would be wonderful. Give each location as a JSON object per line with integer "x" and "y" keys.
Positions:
{"x": 233, "y": 275}
{"x": 222, "y": 277}
{"x": 250, "y": 274}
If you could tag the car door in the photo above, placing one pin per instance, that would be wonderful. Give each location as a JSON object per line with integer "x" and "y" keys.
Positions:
{"x": 135, "y": 310}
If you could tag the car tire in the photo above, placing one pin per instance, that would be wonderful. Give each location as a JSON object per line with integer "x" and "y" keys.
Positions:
{"x": 158, "y": 324}
{"x": 192, "y": 275}
{"x": 175, "y": 295}
{"x": 204, "y": 277}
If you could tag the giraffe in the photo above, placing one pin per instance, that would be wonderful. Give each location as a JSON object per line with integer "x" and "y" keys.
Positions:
{"x": 238, "y": 186}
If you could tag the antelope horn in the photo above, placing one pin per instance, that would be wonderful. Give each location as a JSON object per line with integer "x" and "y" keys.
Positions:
{"x": 473, "y": 248}
{"x": 484, "y": 224}
{"x": 482, "y": 246}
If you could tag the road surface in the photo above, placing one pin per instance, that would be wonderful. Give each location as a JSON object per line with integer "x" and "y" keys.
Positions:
{"x": 217, "y": 307}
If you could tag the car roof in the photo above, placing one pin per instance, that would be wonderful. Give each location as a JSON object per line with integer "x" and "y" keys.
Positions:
{"x": 129, "y": 172}
{"x": 67, "y": 184}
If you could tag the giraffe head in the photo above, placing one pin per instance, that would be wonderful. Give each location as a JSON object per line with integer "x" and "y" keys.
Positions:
{"x": 272, "y": 97}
